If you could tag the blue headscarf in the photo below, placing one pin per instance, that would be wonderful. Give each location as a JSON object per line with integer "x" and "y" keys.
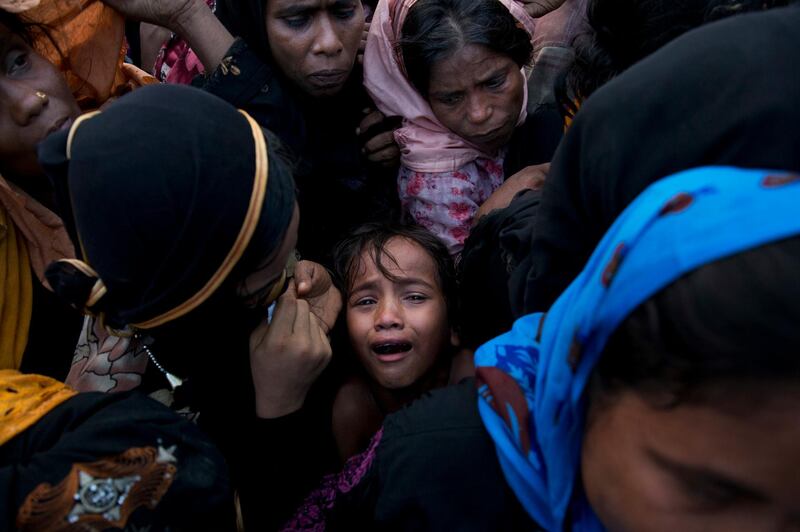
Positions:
{"x": 532, "y": 379}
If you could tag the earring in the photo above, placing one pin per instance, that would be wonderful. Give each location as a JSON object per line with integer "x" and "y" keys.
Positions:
{"x": 41, "y": 95}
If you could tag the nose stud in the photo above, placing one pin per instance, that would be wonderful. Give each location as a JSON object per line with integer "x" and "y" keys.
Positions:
{"x": 41, "y": 95}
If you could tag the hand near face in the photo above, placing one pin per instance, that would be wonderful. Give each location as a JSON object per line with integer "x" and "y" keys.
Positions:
{"x": 529, "y": 178}
{"x": 539, "y": 8}
{"x": 286, "y": 356}
{"x": 314, "y": 285}
{"x": 377, "y": 132}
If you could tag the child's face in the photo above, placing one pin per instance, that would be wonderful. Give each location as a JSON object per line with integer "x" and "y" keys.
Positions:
{"x": 398, "y": 328}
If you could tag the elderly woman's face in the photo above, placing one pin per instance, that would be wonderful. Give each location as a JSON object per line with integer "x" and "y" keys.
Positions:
{"x": 729, "y": 461}
{"x": 34, "y": 102}
{"x": 315, "y": 42}
{"x": 477, "y": 94}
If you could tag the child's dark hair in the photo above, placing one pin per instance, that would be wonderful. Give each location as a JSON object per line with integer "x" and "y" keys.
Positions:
{"x": 435, "y": 29}
{"x": 373, "y": 239}
{"x": 732, "y": 320}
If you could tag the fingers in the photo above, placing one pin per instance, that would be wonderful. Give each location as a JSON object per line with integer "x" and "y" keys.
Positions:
{"x": 320, "y": 344}
{"x": 311, "y": 279}
{"x": 539, "y": 8}
{"x": 379, "y": 143}
{"x": 532, "y": 177}
{"x": 386, "y": 158}
{"x": 286, "y": 309}
{"x": 364, "y": 35}
{"x": 372, "y": 119}
{"x": 304, "y": 275}
{"x": 302, "y": 320}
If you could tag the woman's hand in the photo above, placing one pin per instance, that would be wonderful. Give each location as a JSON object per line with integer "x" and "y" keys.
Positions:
{"x": 314, "y": 284}
{"x": 529, "y": 178}
{"x": 191, "y": 19}
{"x": 363, "y": 45}
{"x": 377, "y": 133}
{"x": 539, "y": 8}
{"x": 287, "y": 356}
{"x": 166, "y": 13}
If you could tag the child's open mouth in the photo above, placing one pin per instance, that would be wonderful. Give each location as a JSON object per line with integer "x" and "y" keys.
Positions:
{"x": 391, "y": 351}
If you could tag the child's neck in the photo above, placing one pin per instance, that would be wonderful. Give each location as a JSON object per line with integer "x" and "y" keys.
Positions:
{"x": 392, "y": 400}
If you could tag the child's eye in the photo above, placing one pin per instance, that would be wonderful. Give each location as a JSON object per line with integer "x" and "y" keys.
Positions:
{"x": 364, "y": 301}
{"x": 417, "y": 298}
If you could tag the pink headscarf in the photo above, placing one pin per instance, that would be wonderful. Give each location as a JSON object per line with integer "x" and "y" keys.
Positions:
{"x": 425, "y": 144}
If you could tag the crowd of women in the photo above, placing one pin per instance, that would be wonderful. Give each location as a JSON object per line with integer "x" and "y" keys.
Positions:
{"x": 399, "y": 265}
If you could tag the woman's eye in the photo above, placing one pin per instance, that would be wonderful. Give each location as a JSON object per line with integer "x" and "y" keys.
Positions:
{"x": 496, "y": 83}
{"x": 297, "y": 21}
{"x": 450, "y": 99}
{"x": 345, "y": 13}
{"x": 16, "y": 62}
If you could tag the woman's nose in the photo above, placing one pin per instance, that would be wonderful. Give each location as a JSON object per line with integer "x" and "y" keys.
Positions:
{"x": 327, "y": 41}
{"x": 25, "y": 103}
{"x": 479, "y": 110}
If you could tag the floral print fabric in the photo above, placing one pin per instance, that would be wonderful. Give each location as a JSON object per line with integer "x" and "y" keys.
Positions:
{"x": 445, "y": 203}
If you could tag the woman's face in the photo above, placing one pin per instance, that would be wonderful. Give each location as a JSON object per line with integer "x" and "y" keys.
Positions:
{"x": 730, "y": 461}
{"x": 256, "y": 287}
{"x": 314, "y": 42}
{"x": 477, "y": 94}
{"x": 34, "y": 102}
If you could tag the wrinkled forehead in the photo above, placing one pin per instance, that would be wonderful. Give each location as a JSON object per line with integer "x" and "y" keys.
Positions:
{"x": 469, "y": 65}
{"x": 305, "y": 6}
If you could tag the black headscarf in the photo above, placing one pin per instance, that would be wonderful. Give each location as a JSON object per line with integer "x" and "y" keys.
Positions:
{"x": 246, "y": 19}
{"x": 155, "y": 191}
{"x": 723, "y": 94}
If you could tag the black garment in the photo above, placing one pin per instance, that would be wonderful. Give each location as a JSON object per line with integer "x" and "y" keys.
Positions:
{"x": 157, "y": 188}
{"x": 249, "y": 83}
{"x": 535, "y": 141}
{"x": 722, "y": 94}
{"x": 53, "y": 334}
{"x": 496, "y": 246}
{"x": 93, "y": 427}
{"x": 500, "y": 240}
{"x": 337, "y": 187}
{"x": 435, "y": 468}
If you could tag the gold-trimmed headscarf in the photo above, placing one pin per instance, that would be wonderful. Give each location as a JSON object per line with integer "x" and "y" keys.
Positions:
{"x": 194, "y": 194}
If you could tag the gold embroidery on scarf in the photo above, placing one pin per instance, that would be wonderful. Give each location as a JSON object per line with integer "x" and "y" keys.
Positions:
{"x": 141, "y": 476}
